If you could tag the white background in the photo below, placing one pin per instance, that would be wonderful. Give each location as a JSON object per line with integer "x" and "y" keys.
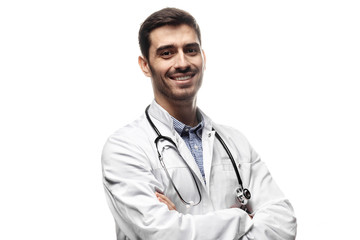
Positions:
{"x": 285, "y": 73}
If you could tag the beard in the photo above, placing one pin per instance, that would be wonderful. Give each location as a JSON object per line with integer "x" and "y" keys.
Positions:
{"x": 163, "y": 85}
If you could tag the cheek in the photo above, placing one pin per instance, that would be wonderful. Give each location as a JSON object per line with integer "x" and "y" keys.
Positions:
{"x": 199, "y": 62}
{"x": 162, "y": 68}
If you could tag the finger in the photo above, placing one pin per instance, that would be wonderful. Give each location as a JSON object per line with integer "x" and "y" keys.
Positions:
{"x": 162, "y": 198}
{"x": 167, "y": 204}
{"x": 170, "y": 207}
{"x": 167, "y": 201}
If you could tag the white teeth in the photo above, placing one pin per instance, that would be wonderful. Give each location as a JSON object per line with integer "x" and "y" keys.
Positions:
{"x": 183, "y": 78}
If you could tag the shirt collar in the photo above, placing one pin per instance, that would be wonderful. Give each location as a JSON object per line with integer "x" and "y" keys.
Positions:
{"x": 162, "y": 116}
{"x": 183, "y": 129}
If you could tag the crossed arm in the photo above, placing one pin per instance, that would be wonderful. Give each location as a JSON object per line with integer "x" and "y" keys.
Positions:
{"x": 130, "y": 190}
{"x": 171, "y": 206}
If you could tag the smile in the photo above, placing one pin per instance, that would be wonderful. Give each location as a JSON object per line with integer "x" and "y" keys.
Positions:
{"x": 182, "y": 78}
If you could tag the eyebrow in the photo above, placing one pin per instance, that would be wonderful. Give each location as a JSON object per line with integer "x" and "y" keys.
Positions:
{"x": 169, "y": 46}
{"x": 192, "y": 45}
{"x": 161, "y": 48}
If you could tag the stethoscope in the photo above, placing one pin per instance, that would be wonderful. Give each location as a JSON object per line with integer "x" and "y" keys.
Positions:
{"x": 242, "y": 194}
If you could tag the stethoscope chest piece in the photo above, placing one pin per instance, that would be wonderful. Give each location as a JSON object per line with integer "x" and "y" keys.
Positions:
{"x": 242, "y": 195}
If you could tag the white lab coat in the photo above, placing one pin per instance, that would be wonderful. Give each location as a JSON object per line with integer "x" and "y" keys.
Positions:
{"x": 132, "y": 173}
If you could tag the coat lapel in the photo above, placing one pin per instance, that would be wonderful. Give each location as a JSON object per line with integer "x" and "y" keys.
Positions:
{"x": 164, "y": 123}
{"x": 208, "y": 143}
{"x": 188, "y": 157}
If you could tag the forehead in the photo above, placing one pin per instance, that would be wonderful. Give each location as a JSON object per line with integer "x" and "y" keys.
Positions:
{"x": 172, "y": 35}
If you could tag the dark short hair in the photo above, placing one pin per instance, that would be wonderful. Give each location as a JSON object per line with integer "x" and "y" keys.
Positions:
{"x": 163, "y": 17}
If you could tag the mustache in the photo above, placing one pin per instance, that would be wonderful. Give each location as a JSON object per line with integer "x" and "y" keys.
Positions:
{"x": 183, "y": 71}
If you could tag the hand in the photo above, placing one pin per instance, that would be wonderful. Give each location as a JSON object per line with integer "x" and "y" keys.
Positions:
{"x": 162, "y": 198}
{"x": 237, "y": 206}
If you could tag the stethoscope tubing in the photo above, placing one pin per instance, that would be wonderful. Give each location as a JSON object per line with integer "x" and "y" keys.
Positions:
{"x": 159, "y": 137}
{"x": 188, "y": 204}
{"x": 230, "y": 156}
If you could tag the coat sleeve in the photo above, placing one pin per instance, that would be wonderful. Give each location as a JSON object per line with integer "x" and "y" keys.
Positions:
{"x": 273, "y": 215}
{"x": 130, "y": 191}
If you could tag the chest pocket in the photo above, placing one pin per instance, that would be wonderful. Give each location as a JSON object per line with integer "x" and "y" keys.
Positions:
{"x": 223, "y": 176}
{"x": 174, "y": 172}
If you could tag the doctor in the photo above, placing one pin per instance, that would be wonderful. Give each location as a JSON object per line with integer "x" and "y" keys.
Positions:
{"x": 175, "y": 153}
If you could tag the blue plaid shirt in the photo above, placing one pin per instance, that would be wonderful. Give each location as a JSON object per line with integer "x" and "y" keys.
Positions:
{"x": 192, "y": 138}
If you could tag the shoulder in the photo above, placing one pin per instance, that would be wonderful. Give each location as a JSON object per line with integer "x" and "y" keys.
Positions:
{"x": 131, "y": 131}
{"x": 129, "y": 150}
{"x": 131, "y": 138}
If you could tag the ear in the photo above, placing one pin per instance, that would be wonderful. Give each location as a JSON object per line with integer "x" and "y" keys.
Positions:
{"x": 204, "y": 56}
{"x": 144, "y": 65}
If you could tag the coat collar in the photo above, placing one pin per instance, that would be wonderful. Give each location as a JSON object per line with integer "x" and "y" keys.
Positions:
{"x": 161, "y": 115}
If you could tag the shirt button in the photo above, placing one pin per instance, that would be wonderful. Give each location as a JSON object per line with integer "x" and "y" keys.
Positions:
{"x": 196, "y": 147}
{"x": 209, "y": 135}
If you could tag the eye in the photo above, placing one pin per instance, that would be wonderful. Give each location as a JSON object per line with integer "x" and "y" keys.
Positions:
{"x": 192, "y": 51}
{"x": 166, "y": 54}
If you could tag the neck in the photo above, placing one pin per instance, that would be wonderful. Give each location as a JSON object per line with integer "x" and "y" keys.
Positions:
{"x": 184, "y": 111}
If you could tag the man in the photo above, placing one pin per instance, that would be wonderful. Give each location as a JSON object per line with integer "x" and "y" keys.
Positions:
{"x": 169, "y": 175}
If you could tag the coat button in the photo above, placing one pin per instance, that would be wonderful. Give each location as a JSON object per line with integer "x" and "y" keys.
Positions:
{"x": 209, "y": 135}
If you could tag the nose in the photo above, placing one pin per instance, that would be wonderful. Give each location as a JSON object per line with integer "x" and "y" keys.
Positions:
{"x": 181, "y": 61}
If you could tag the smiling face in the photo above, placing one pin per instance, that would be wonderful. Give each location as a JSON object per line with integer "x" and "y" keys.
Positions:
{"x": 176, "y": 63}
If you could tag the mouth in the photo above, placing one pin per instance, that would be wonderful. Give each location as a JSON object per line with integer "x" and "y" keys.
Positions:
{"x": 182, "y": 77}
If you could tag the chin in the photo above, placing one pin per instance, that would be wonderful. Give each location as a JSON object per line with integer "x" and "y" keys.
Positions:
{"x": 188, "y": 96}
